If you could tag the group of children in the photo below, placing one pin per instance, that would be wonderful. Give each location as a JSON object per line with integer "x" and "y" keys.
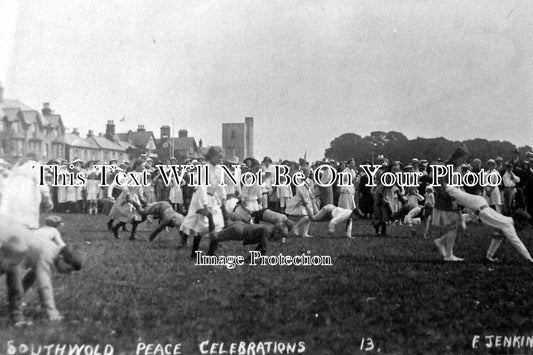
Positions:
{"x": 233, "y": 213}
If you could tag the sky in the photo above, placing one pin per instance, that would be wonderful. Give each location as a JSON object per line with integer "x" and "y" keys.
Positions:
{"x": 307, "y": 71}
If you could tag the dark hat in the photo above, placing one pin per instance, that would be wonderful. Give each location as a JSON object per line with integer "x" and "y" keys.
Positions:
{"x": 53, "y": 221}
{"x": 253, "y": 161}
{"x": 213, "y": 150}
{"x": 267, "y": 159}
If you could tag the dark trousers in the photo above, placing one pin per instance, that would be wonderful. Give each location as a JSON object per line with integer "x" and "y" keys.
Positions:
{"x": 15, "y": 291}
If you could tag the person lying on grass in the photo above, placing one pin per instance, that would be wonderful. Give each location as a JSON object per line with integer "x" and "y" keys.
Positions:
{"x": 38, "y": 250}
{"x": 490, "y": 217}
{"x": 335, "y": 216}
{"x": 249, "y": 234}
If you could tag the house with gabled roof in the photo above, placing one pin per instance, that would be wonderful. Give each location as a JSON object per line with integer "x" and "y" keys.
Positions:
{"x": 144, "y": 141}
{"x": 77, "y": 147}
{"x": 25, "y": 131}
{"x": 181, "y": 147}
{"x": 109, "y": 149}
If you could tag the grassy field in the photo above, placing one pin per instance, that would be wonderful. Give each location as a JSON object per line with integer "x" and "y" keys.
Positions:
{"x": 394, "y": 290}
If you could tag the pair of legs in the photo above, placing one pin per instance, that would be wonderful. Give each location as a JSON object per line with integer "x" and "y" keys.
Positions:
{"x": 93, "y": 207}
{"x": 198, "y": 237}
{"x": 110, "y": 226}
{"x": 446, "y": 242}
{"x": 301, "y": 227}
{"x": 322, "y": 216}
{"x": 16, "y": 287}
{"x": 507, "y": 230}
{"x": 381, "y": 215}
{"x": 134, "y": 225}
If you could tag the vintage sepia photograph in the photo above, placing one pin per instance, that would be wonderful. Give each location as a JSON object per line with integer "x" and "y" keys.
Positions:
{"x": 227, "y": 177}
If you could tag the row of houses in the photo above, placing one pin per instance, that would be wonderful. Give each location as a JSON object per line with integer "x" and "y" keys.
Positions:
{"x": 25, "y": 131}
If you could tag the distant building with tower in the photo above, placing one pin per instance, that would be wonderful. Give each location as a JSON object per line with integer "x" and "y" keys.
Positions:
{"x": 182, "y": 147}
{"x": 238, "y": 139}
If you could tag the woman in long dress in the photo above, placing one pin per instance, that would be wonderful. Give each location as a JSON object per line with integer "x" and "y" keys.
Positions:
{"x": 300, "y": 205}
{"x": 207, "y": 201}
{"x": 347, "y": 191}
{"x": 175, "y": 196}
{"x": 93, "y": 188}
{"x": 22, "y": 200}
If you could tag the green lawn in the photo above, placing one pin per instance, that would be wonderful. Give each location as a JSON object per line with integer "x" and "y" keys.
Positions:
{"x": 394, "y": 290}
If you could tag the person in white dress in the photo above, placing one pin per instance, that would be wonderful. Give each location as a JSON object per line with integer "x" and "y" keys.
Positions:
{"x": 207, "y": 202}
{"x": 123, "y": 210}
{"x": 347, "y": 192}
{"x": 93, "y": 188}
{"x": 300, "y": 205}
{"x": 175, "y": 195}
{"x": 284, "y": 194}
{"x": 21, "y": 202}
{"x": 492, "y": 193}
{"x": 251, "y": 194}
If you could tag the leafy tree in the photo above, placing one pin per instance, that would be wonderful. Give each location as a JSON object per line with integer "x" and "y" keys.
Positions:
{"x": 396, "y": 146}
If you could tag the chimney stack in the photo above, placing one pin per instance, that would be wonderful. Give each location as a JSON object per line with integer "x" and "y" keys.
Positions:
{"x": 182, "y": 133}
{"x": 140, "y": 128}
{"x": 110, "y": 130}
{"x": 75, "y": 131}
{"x": 90, "y": 134}
{"x": 200, "y": 143}
{"x": 46, "y": 111}
{"x": 165, "y": 132}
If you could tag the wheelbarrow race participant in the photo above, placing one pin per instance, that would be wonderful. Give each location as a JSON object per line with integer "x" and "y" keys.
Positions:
{"x": 249, "y": 234}
{"x": 162, "y": 211}
{"x": 38, "y": 250}
{"x": 490, "y": 217}
{"x": 335, "y": 216}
